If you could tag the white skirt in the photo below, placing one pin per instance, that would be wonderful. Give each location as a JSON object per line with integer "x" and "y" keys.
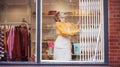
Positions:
{"x": 62, "y": 49}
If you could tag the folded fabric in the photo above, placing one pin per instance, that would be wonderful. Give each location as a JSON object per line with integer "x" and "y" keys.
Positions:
{"x": 50, "y": 44}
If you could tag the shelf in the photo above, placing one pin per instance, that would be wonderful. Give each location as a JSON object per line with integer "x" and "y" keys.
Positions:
{"x": 53, "y": 16}
{"x": 47, "y": 15}
{"x": 52, "y": 54}
{"x": 52, "y": 39}
{"x": 68, "y": 15}
{"x": 49, "y": 28}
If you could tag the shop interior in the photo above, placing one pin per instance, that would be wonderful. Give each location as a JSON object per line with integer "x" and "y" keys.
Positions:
{"x": 17, "y": 30}
{"x": 90, "y": 15}
{"x": 49, "y": 8}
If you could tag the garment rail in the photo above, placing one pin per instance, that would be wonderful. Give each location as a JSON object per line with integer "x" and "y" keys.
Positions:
{"x": 15, "y": 39}
{"x": 15, "y": 23}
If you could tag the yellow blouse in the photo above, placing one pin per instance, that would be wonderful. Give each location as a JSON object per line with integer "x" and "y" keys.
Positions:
{"x": 66, "y": 29}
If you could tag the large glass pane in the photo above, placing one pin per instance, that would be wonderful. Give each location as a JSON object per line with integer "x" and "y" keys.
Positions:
{"x": 17, "y": 31}
{"x": 72, "y": 30}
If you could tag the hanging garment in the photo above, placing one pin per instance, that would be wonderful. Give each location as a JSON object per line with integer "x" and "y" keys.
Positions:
{"x": 1, "y": 42}
{"x": 29, "y": 44}
{"x": 10, "y": 41}
{"x": 5, "y": 39}
{"x": 14, "y": 43}
{"x": 25, "y": 42}
{"x": 5, "y": 46}
{"x": 62, "y": 48}
{"x": 21, "y": 40}
{"x": 17, "y": 46}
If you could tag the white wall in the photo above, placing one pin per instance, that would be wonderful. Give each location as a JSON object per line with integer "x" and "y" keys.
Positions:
{"x": 60, "y": 5}
{"x": 17, "y": 13}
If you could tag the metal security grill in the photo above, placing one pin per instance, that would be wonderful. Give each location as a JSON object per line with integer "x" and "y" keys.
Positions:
{"x": 91, "y": 36}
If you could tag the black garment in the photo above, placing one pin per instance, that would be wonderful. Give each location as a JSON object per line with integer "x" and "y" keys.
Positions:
{"x": 24, "y": 59}
{"x": 72, "y": 48}
{"x": 5, "y": 58}
{"x": 29, "y": 45}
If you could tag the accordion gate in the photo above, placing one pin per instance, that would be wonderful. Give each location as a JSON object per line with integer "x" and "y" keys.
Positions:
{"x": 91, "y": 35}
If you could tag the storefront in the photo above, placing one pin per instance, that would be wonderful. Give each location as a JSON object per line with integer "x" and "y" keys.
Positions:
{"x": 54, "y": 32}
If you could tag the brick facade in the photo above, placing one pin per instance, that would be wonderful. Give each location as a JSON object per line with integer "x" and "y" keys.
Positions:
{"x": 114, "y": 32}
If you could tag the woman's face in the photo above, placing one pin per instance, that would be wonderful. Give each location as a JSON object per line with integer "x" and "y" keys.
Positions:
{"x": 62, "y": 17}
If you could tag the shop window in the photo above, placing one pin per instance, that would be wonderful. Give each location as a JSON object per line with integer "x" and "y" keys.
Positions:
{"x": 87, "y": 45}
{"x": 17, "y": 31}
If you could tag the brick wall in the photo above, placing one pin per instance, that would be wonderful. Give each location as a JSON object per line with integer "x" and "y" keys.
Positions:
{"x": 114, "y": 32}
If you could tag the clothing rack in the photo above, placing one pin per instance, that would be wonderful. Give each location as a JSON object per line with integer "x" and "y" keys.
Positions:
{"x": 15, "y": 23}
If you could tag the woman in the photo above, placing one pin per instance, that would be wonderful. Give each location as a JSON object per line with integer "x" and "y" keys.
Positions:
{"x": 64, "y": 31}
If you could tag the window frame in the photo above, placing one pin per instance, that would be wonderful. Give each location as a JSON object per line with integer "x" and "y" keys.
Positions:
{"x": 38, "y": 42}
